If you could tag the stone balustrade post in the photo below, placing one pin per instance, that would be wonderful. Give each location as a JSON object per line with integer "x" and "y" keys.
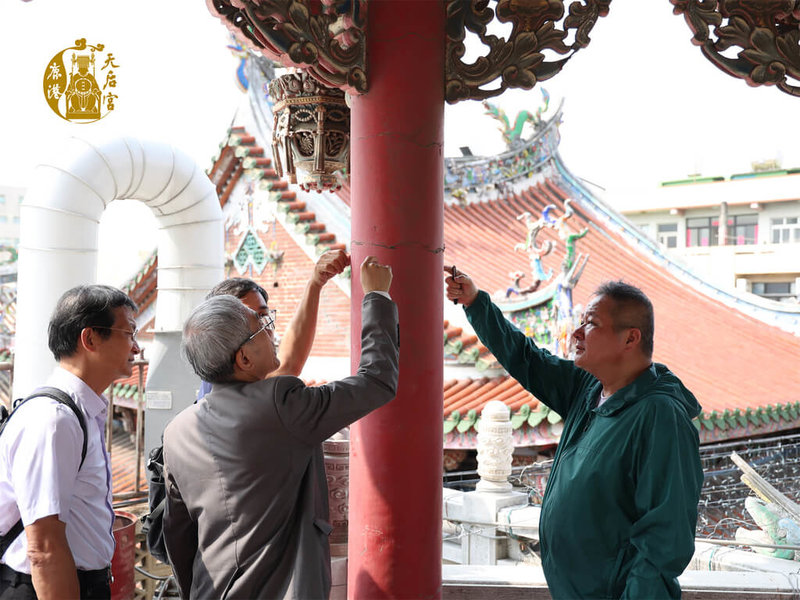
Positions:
{"x": 485, "y": 543}
{"x": 495, "y": 447}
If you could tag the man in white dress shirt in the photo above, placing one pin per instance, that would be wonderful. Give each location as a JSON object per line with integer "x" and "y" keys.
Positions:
{"x": 66, "y": 547}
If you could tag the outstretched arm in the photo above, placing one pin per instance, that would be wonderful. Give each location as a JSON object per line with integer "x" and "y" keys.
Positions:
{"x": 315, "y": 413}
{"x": 551, "y": 379}
{"x": 299, "y": 337}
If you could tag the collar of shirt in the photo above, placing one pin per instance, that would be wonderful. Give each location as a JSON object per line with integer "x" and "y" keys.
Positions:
{"x": 92, "y": 404}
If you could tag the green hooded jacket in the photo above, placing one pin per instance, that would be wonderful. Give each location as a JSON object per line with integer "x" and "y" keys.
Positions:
{"x": 620, "y": 509}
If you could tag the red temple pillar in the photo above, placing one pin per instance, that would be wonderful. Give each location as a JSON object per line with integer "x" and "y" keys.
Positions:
{"x": 395, "y": 546}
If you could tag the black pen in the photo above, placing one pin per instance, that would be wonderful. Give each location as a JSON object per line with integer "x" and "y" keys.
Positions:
{"x": 453, "y": 273}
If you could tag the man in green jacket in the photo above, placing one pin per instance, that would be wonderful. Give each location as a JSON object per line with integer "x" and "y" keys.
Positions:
{"x": 620, "y": 509}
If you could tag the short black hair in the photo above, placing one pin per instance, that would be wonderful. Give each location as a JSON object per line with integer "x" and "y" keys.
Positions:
{"x": 632, "y": 308}
{"x": 81, "y": 307}
{"x": 237, "y": 286}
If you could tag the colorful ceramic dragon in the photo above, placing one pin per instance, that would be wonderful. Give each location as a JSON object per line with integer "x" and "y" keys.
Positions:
{"x": 513, "y": 135}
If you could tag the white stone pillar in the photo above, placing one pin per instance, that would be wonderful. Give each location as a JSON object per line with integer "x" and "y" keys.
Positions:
{"x": 495, "y": 447}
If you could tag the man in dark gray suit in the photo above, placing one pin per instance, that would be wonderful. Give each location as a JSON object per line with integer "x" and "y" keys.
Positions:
{"x": 247, "y": 498}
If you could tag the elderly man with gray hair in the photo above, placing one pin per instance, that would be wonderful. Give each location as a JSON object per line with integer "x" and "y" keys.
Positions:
{"x": 247, "y": 497}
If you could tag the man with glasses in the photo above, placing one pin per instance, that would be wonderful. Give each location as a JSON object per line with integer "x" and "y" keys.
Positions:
{"x": 64, "y": 501}
{"x": 298, "y": 338}
{"x": 620, "y": 509}
{"x": 247, "y": 497}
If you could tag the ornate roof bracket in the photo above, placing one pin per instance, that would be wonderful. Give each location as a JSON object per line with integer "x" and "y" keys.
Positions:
{"x": 767, "y": 31}
{"x": 518, "y": 62}
{"x": 325, "y": 38}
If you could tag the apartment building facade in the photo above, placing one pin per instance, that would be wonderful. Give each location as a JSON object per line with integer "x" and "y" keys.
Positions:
{"x": 740, "y": 231}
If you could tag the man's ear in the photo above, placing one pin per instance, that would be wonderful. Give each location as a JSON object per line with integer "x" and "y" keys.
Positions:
{"x": 241, "y": 361}
{"x": 89, "y": 339}
{"x": 634, "y": 337}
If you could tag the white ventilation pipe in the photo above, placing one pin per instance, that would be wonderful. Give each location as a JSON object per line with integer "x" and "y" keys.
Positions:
{"x": 59, "y": 224}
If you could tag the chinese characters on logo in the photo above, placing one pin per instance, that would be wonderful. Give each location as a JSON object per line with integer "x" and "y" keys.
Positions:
{"x": 73, "y": 90}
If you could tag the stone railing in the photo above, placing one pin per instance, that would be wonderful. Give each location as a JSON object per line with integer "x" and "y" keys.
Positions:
{"x": 461, "y": 582}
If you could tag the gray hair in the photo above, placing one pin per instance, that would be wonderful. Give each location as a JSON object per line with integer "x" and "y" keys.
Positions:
{"x": 213, "y": 333}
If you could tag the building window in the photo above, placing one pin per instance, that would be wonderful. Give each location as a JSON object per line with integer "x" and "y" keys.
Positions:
{"x": 775, "y": 290}
{"x": 704, "y": 231}
{"x": 668, "y": 234}
{"x": 701, "y": 231}
{"x": 16, "y": 220}
{"x": 3, "y": 219}
{"x": 785, "y": 230}
{"x": 742, "y": 230}
{"x": 2, "y": 199}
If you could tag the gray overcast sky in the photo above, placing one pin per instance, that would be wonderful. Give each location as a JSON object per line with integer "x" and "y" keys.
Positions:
{"x": 642, "y": 104}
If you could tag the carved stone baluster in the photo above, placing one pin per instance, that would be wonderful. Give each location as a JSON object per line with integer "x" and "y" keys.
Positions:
{"x": 495, "y": 447}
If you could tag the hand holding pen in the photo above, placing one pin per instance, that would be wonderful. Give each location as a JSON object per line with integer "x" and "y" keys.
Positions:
{"x": 459, "y": 287}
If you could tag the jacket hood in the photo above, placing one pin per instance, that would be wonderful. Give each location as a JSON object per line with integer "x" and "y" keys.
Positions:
{"x": 656, "y": 379}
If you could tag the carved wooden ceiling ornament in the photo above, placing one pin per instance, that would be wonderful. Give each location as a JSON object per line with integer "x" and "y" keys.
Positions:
{"x": 324, "y": 37}
{"x": 311, "y": 133}
{"x": 518, "y": 62}
{"x": 767, "y": 31}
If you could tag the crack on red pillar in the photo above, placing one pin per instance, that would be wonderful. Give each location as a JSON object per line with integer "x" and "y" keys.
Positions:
{"x": 426, "y": 248}
{"x": 399, "y": 135}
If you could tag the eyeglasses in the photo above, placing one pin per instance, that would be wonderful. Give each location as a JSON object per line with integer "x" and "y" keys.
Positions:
{"x": 132, "y": 334}
{"x": 267, "y": 323}
{"x": 268, "y": 320}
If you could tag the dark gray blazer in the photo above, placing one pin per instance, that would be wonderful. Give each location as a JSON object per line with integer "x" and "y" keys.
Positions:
{"x": 247, "y": 498}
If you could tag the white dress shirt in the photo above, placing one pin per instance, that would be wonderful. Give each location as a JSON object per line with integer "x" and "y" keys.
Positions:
{"x": 40, "y": 451}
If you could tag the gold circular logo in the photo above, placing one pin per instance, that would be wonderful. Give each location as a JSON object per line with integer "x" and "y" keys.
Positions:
{"x": 80, "y": 82}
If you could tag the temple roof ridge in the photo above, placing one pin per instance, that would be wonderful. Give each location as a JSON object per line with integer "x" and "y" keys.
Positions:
{"x": 476, "y": 178}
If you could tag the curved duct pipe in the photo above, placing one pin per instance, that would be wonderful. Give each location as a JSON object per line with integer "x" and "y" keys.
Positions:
{"x": 59, "y": 232}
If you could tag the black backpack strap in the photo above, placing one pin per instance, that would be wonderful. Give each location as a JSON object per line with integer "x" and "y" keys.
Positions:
{"x": 13, "y": 533}
{"x": 64, "y": 398}
{"x": 153, "y": 516}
